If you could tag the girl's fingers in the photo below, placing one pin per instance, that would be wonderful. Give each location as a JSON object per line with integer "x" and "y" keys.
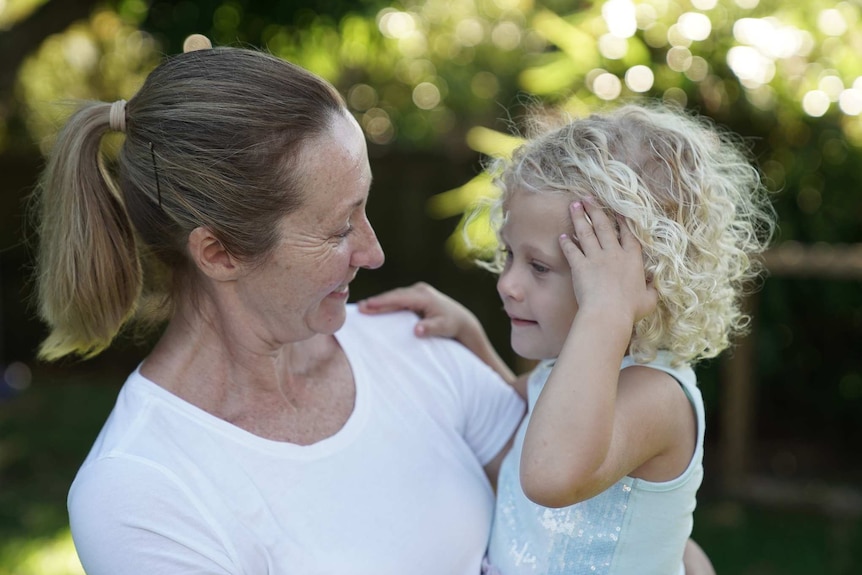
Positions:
{"x": 389, "y": 301}
{"x": 370, "y": 308}
{"x": 571, "y": 250}
{"x": 436, "y": 326}
{"x": 602, "y": 226}
{"x": 584, "y": 232}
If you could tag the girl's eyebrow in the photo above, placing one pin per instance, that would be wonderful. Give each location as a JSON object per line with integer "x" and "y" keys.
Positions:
{"x": 534, "y": 251}
{"x": 540, "y": 254}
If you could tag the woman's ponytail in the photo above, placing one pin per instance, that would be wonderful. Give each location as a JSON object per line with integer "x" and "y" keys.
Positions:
{"x": 88, "y": 272}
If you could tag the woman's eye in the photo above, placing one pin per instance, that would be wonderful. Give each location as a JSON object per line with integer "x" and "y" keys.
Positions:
{"x": 345, "y": 232}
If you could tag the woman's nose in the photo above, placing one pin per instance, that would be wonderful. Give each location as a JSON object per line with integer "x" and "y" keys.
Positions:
{"x": 369, "y": 254}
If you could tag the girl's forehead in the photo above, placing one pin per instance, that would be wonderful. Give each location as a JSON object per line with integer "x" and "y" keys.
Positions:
{"x": 540, "y": 212}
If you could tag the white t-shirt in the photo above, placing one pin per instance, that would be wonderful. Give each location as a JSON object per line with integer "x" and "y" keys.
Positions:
{"x": 171, "y": 489}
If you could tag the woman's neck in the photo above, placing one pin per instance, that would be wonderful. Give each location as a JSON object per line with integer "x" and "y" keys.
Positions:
{"x": 267, "y": 391}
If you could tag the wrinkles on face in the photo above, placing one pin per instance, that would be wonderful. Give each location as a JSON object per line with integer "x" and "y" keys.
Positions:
{"x": 302, "y": 288}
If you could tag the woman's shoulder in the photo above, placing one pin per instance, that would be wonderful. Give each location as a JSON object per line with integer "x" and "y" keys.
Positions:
{"x": 145, "y": 425}
{"x": 378, "y": 325}
{"x": 394, "y": 332}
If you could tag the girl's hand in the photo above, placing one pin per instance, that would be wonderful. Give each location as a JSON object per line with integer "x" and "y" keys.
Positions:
{"x": 440, "y": 316}
{"x": 607, "y": 264}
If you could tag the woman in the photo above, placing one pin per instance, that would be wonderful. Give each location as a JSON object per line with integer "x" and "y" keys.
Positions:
{"x": 272, "y": 429}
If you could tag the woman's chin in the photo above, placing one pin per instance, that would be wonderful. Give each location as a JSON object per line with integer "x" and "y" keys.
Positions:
{"x": 330, "y": 315}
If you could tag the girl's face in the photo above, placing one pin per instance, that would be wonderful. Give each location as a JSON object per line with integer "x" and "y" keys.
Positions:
{"x": 536, "y": 282}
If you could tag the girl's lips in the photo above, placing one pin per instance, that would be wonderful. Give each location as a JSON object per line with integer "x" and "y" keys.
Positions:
{"x": 521, "y": 322}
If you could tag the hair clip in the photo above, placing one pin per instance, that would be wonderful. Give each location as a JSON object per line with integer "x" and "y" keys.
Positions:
{"x": 196, "y": 42}
{"x": 156, "y": 172}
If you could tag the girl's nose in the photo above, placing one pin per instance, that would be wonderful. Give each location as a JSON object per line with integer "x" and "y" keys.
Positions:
{"x": 508, "y": 285}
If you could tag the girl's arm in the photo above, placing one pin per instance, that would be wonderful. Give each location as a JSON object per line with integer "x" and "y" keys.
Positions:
{"x": 442, "y": 316}
{"x": 593, "y": 424}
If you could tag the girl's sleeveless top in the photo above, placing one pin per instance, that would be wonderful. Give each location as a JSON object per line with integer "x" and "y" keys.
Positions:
{"x": 635, "y": 527}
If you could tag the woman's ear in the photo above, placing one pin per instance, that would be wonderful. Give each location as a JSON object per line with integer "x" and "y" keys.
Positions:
{"x": 211, "y": 257}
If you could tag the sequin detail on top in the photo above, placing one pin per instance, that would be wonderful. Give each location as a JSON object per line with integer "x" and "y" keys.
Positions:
{"x": 556, "y": 541}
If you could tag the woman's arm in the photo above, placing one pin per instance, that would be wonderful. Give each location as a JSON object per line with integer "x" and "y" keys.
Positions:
{"x": 130, "y": 516}
{"x": 695, "y": 560}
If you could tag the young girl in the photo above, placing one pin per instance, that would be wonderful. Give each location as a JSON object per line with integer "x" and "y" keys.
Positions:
{"x": 626, "y": 241}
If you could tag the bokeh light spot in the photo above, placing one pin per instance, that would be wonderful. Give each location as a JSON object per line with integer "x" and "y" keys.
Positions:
{"x": 607, "y": 86}
{"x": 361, "y": 97}
{"x": 831, "y": 22}
{"x": 620, "y": 17}
{"x": 506, "y": 35}
{"x": 850, "y": 102}
{"x": 639, "y": 78}
{"x": 426, "y": 96}
{"x": 613, "y": 47}
{"x": 18, "y": 376}
{"x": 484, "y": 85}
{"x": 815, "y": 103}
{"x": 695, "y": 26}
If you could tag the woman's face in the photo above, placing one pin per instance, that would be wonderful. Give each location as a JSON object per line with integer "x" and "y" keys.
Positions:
{"x": 301, "y": 289}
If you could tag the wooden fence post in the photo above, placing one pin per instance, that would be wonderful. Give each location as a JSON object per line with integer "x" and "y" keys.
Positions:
{"x": 737, "y": 393}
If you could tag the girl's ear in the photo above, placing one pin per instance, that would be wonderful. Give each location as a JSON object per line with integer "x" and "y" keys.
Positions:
{"x": 211, "y": 257}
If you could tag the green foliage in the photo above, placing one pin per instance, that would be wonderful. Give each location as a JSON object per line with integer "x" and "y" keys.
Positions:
{"x": 784, "y": 76}
{"x": 44, "y": 436}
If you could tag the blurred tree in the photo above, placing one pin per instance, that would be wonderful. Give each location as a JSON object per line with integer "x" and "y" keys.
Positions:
{"x": 23, "y": 27}
{"x": 784, "y": 76}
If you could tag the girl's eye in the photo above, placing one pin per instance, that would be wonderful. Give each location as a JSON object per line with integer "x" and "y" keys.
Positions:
{"x": 539, "y": 268}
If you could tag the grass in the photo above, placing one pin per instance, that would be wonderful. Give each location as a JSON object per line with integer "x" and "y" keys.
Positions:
{"x": 46, "y": 431}
{"x": 753, "y": 540}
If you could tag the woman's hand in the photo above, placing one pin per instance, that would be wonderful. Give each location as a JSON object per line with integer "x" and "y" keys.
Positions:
{"x": 440, "y": 316}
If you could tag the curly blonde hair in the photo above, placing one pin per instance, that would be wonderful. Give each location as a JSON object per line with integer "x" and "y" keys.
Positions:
{"x": 692, "y": 198}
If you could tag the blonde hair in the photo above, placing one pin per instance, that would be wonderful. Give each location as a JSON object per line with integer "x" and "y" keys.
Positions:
{"x": 693, "y": 199}
{"x": 211, "y": 140}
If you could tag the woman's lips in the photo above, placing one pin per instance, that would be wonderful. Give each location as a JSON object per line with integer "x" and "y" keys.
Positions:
{"x": 340, "y": 293}
{"x": 343, "y": 291}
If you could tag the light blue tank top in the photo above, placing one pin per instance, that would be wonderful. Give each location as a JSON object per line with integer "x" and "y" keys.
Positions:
{"x": 635, "y": 527}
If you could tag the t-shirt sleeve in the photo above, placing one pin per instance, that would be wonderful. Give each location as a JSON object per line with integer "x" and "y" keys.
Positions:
{"x": 129, "y": 516}
{"x": 491, "y": 409}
